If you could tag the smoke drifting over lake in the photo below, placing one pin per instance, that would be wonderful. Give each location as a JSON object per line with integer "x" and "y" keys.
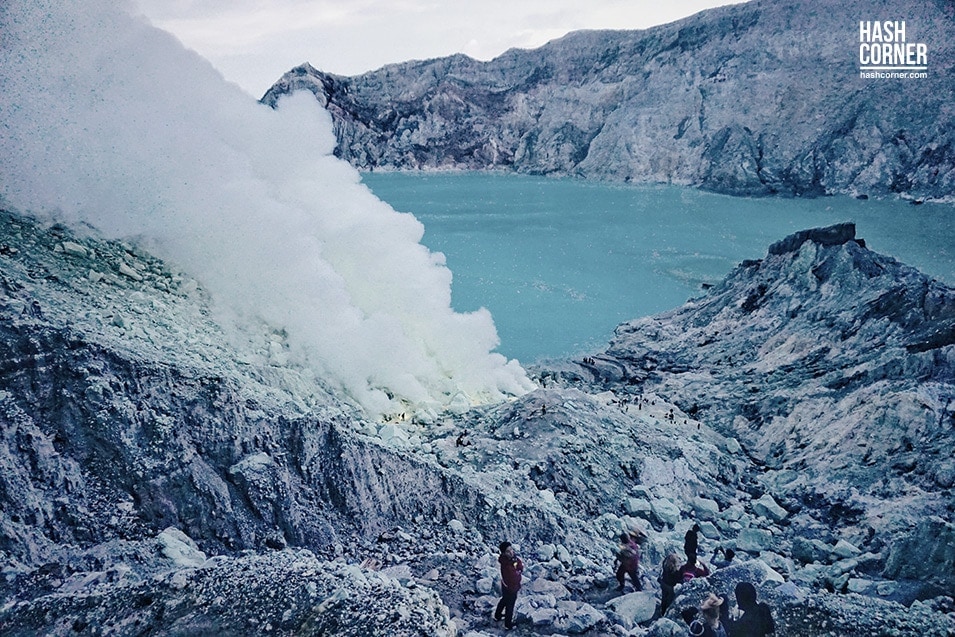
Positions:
{"x": 108, "y": 121}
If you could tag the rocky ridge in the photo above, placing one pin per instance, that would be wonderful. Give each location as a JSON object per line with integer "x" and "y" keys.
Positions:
{"x": 759, "y": 98}
{"x": 160, "y": 477}
{"x": 833, "y": 366}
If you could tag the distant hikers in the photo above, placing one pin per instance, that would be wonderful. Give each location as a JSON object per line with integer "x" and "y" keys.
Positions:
{"x": 756, "y": 619}
{"x": 628, "y": 560}
{"x": 670, "y": 576}
{"x": 511, "y": 569}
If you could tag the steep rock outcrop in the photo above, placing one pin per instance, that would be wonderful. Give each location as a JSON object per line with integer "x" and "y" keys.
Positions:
{"x": 753, "y": 99}
{"x": 834, "y": 366}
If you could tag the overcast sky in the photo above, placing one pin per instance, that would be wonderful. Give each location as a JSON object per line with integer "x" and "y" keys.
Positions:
{"x": 253, "y": 42}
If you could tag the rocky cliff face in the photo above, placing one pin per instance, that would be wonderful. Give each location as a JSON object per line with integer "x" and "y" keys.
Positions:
{"x": 754, "y": 99}
{"x": 157, "y": 476}
{"x": 831, "y": 364}
{"x": 125, "y": 410}
{"x": 833, "y": 367}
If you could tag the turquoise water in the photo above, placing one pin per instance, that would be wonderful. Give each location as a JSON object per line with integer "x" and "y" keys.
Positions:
{"x": 560, "y": 263}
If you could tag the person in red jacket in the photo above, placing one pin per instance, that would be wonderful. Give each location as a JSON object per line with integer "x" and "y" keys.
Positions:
{"x": 693, "y": 569}
{"x": 628, "y": 560}
{"x": 511, "y": 569}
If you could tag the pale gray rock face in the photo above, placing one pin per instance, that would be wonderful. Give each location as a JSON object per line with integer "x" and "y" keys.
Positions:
{"x": 157, "y": 476}
{"x": 833, "y": 366}
{"x": 755, "y": 99}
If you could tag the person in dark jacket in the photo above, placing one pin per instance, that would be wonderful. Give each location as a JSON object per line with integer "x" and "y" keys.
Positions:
{"x": 756, "y": 620}
{"x": 511, "y": 569}
{"x": 669, "y": 578}
{"x": 691, "y": 542}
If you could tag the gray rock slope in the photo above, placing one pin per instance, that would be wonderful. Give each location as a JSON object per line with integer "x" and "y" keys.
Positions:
{"x": 753, "y": 99}
{"x": 159, "y": 475}
{"x": 833, "y": 366}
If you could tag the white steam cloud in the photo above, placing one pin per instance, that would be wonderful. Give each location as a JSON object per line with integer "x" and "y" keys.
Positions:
{"x": 107, "y": 120}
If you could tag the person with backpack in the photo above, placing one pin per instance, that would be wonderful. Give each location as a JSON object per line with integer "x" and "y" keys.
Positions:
{"x": 757, "y": 618}
{"x": 511, "y": 569}
{"x": 628, "y": 560}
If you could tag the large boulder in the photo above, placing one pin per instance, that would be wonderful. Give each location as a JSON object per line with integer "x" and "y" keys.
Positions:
{"x": 634, "y": 608}
{"x": 927, "y": 554}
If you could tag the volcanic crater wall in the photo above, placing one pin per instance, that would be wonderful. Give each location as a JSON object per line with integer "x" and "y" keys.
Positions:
{"x": 761, "y": 98}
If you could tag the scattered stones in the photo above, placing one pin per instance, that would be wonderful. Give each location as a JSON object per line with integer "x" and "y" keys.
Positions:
{"x": 128, "y": 271}
{"x": 180, "y": 548}
{"x": 807, "y": 551}
{"x": 278, "y": 593}
{"x": 705, "y": 509}
{"x": 633, "y": 609}
{"x": 638, "y": 507}
{"x": 542, "y": 586}
{"x": 754, "y": 540}
{"x": 845, "y": 550}
{"x": 709, "y": 530}
{"x": 75, "y": 249}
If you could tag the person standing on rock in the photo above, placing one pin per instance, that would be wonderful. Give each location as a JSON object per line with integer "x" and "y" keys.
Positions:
{"x": 756, "y": 620}
{"x": 628, "y": 560}
{"x": 691, "y": 542}
{"x": 511, "y": 569}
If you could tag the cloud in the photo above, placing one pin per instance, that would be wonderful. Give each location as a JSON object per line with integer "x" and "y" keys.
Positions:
{"x": 109, "y": 121}
{"x": 254, "y": 41}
